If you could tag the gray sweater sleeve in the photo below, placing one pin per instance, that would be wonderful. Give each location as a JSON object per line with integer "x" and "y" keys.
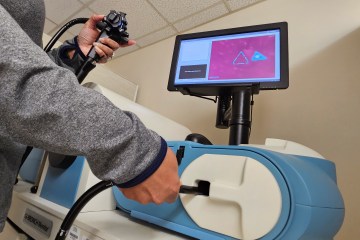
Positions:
{"x": 42, "y": 105}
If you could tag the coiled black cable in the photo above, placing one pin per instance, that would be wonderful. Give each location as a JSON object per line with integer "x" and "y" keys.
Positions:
{"x": 79, "y": 204}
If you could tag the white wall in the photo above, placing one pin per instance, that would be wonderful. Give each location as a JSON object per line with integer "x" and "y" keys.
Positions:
{"x": 319, "y": 110}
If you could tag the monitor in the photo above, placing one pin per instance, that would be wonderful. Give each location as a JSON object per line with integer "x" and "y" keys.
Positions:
{"x": 211, "y": 63}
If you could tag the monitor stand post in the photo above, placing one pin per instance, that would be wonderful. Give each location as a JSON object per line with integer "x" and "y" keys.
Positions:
{"x": 240, "y": 122}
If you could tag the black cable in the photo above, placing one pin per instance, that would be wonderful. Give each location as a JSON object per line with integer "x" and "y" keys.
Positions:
{"x": 199, "y": 96}
{"x": 114, "y": 26}
{"x": 61, "y": 31}
{"x": 251, "y": 112}
{"x": 79, "y": 204}
{"x": 86, "y": 67}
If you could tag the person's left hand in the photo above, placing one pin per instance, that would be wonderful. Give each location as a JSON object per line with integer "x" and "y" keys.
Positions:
{"x": 105, "y": 48}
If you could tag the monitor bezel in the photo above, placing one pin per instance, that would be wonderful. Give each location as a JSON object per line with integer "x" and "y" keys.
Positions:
{"x": 220, "y": 89}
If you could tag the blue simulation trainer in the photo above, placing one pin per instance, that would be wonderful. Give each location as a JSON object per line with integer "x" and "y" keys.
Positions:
{"x": 253, "y": 194}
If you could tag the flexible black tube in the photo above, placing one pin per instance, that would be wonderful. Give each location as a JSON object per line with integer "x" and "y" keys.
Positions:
{"x": 79, "y": 204}
{"x": 99, "y": 187}
{"x": 85, "y": 68}
{"x": 63, "y": 29}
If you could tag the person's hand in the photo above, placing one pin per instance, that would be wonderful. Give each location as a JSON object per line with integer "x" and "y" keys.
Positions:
{"x": 105, "y": 48}
{"x": 162, "y": 186}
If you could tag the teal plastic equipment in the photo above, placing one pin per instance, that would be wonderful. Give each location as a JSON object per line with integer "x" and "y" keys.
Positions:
{"x": 312, "y": 205}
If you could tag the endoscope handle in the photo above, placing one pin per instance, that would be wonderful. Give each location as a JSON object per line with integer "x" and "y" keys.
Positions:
{"x": 114, "y": 26}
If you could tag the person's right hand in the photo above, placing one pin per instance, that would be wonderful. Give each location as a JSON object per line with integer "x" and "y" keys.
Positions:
{"x": 105, "y": 48}
{"x": 162, "y": 186}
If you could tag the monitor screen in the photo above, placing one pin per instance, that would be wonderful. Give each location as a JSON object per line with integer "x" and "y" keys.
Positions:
{"x": 210, "y": 63}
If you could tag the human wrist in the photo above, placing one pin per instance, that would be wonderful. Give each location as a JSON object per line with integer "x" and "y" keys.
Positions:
{"x": 82, "y": 43}
{"x": 70, "y": 53}
{"x": 150, "y": 170}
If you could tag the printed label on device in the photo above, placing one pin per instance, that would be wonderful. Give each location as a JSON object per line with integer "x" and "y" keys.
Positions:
{"x": 74, "y": 233}
{"x": 40, "y": 223}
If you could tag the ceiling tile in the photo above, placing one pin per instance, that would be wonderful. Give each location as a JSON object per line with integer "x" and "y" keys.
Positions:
{"x": 149, "y": 21}
{"x": 142, "y": 18}
{"x": 85, "y": 1}
{"x": 202, "y": 17}
{"x": 156, "y": 36}
{"x": 66, "y": 36}
{"x": 174, "y": 10}
{"x": 63, "y": 37}
{"x": 85, "y": 13}
{"x": 237, "y": 4}
{"x": 58, "y": 11}
{"x": 49, "y": 26}
{"x": 125, "y": 50}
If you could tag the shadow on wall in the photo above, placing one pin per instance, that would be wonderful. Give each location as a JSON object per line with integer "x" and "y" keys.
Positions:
{"x": 321, "y": 110}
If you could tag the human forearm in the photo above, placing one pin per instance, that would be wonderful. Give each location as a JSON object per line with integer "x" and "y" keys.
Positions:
{"x": 42, "y": 105}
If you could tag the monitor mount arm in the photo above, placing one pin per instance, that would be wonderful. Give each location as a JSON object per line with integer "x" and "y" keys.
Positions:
{"x": 234, "y": 112}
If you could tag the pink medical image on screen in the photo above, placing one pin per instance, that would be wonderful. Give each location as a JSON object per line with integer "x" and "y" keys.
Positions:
{"x": 244, "y": 58}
